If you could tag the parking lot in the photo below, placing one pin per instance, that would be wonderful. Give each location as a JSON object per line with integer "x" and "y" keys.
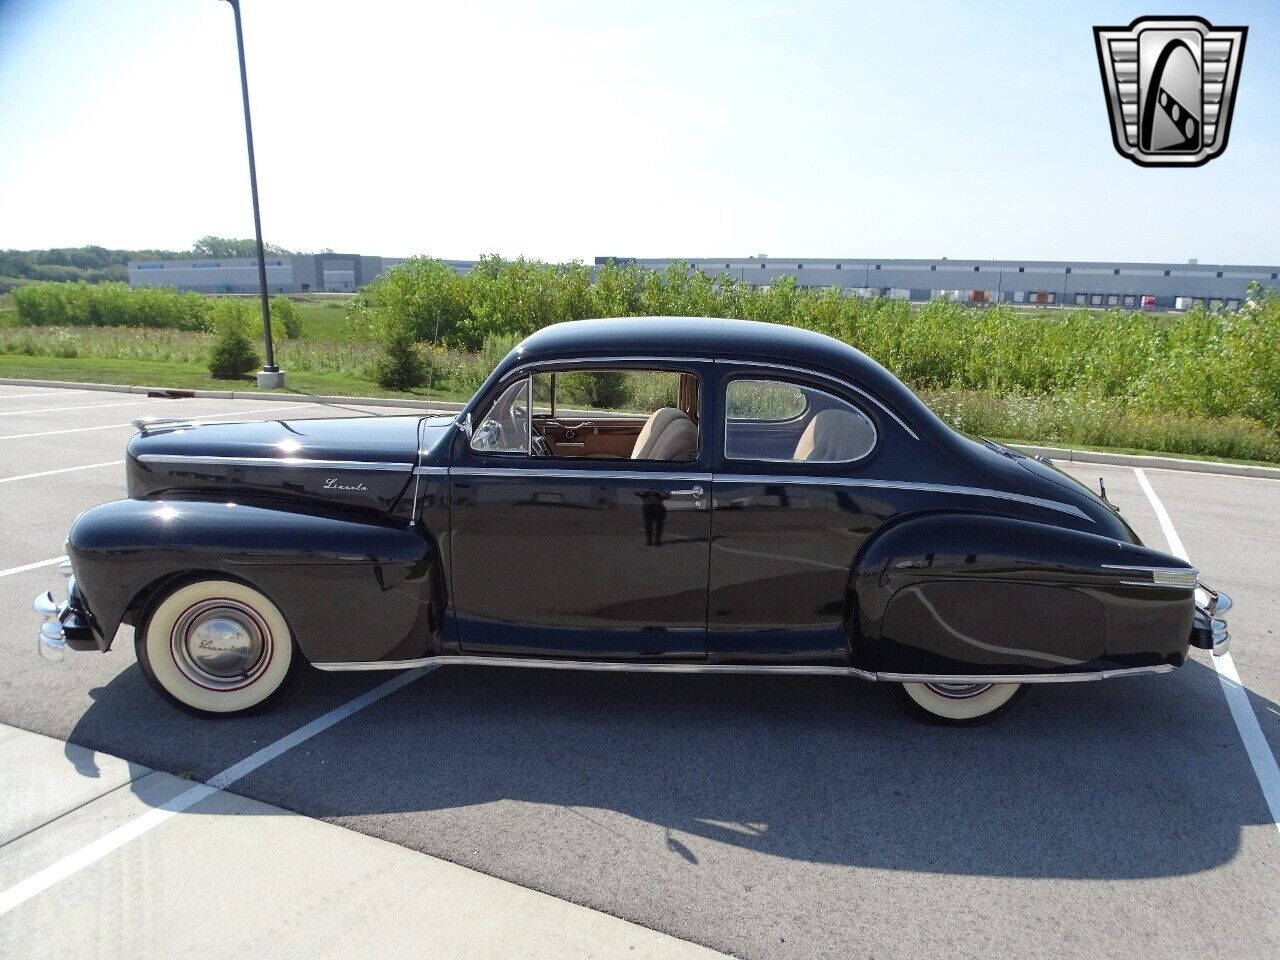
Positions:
{"x": 762, "y": 817}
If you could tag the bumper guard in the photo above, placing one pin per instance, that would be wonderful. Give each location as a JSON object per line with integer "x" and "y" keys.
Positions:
{"x": 1209, "y": 629}
{"x": 65, "y": 624}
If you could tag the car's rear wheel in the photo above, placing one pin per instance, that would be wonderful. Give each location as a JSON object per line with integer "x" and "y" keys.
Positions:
{"x": 958, "y": 704}
{"x": 217, "y": 648}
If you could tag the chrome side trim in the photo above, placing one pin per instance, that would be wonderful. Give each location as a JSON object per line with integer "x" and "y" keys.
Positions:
{"x": 816, "y": 480}
{"x": 431, "y": 471}
{"x": 907, "y": 485}
{"x": 1025, "y": 678}
{"x": 675, "y": 360}
{"x": 300, "y": 462}
{"x": 607, "y": 666}
{"x": 830, "y": 379}
{"x": 524, "y": 472}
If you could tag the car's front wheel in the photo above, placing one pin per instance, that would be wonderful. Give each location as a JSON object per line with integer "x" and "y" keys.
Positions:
{"x": 217, "y": 648}
{"x": 958, "y": 704}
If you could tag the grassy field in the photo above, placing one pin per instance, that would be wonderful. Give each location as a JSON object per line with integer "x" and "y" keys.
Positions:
{"x": 1200, "y": 385}
{"x": 192, "y": 376}
{"x": 1052, "y": 421}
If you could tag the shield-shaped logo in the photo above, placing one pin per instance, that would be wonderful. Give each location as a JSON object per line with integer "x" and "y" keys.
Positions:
{"x": 1171, "y": 86}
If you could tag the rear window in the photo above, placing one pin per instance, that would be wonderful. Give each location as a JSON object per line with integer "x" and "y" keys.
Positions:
{"x": 764, "y": 400}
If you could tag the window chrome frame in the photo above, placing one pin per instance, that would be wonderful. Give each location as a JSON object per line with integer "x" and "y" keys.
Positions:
{"x": 725, "y": 422}
{"x": 528, "y": 369}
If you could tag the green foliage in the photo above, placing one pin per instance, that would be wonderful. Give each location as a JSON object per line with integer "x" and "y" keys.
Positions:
{"x": 91, "y": 264}
{"x": 285, "y": 318}
{"x": 109, "y": 305}
{"x": 401, "y": 366}
{"x": 604, "y": 390}
{"x": 210, "y": 246}
{"x": 1208, "y": 364}
{"x": 232, "y": 353}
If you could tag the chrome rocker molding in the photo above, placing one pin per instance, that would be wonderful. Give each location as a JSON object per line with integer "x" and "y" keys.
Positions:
{"x": 466, "y": 660}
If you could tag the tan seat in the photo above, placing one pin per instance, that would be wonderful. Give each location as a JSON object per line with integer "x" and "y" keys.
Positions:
{"x": 833, "y": 436}
{"x": 668, "y": 434}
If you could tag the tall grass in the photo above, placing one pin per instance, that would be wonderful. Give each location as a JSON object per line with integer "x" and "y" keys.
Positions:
{"x": 174, "y": 346}
{"x": 1210, "y": 364}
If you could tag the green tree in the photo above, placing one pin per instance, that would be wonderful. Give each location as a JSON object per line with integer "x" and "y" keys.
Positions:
{"x": 211, "y": 246}
{"x": 285, "y": 318}
{"x": 232, "y": 353}
{"x": 401, "y": 365}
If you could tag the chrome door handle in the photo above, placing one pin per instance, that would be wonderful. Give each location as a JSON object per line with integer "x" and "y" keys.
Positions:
{"x": 694, "y": 491}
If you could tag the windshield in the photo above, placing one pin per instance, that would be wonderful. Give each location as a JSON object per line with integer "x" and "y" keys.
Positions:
{"x": 505, "y": 428}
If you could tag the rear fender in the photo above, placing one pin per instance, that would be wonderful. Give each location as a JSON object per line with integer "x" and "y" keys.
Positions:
{"x": 351, "y": 588}
{"x": 955, "y": 594}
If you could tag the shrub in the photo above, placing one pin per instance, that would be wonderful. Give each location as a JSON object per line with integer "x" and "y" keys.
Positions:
{"x": 232, "y": 353}
{"x": 603, "y": 390}
{"x": 285, "y": 318}
{"x": 401, "y": 365}
{"x": 110, "y": 305}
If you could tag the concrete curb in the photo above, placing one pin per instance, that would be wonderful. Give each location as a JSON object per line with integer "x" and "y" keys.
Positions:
{"x": 1156, "y": 463}
{"x": 1053, "y": 453}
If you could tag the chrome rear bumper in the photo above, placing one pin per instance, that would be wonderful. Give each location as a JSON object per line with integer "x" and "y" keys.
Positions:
{"x": 1209, "y": 629}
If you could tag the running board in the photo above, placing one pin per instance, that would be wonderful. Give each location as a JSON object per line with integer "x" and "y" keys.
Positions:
{"x": 804, "y": 670}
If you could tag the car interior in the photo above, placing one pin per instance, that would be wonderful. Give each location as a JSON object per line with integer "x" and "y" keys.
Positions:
{"x": 597, "y": 414}
{"x": 654, "y": 415}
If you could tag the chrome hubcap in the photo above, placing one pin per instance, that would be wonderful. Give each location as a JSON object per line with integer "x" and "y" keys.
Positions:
{"x": 221, "y": 644}
{"x": 958, "y": 691}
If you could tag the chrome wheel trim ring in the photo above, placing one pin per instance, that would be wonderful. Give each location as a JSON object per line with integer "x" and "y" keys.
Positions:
{"x": 221, "y": 644}
{"x": 959, "y": 691}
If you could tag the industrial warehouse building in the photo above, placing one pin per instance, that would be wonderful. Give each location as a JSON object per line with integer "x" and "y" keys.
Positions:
{"x": 1161, "y": 286}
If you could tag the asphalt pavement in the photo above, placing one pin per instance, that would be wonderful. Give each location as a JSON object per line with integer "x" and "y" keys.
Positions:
{"x": 759, "y": 816}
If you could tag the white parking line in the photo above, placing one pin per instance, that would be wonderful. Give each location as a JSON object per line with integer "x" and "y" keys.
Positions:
{"x": 48, "y": 393}
{"x": 113, "y": 426}
{"x": 87, "y": 855}
{"x": 1263, "y": 760}
{"x": 47, "y": 473}
{"x": 31, "y": 566}
{"x": 90, "y": 406}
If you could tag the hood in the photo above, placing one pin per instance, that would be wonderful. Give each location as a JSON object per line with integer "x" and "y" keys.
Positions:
{"x": 362, "y": 462}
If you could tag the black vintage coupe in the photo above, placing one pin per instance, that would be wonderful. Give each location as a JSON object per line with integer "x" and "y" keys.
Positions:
{"x": 666, "y": 493}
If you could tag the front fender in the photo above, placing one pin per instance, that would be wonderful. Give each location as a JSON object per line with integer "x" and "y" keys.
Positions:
{"x": 948, "y": 594}
{"x": 351, "y": 588}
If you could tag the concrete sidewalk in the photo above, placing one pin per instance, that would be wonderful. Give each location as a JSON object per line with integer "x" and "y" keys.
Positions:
{"x": 233, "y": 878}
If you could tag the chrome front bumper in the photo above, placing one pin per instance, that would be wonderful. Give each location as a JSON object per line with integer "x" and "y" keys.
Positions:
{"x": 64, "y": 623}
{"x": 1209, "y": 629}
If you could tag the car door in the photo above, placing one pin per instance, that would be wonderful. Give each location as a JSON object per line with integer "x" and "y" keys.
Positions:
{"x": 785, "y": 528}
{"x": 579, "y": 557}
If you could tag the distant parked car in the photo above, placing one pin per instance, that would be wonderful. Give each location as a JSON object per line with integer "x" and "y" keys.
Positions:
{"x": 661, "y": 494}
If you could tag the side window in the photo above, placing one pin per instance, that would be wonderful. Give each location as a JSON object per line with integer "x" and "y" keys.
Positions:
{"x": 792, "y": 423}
{"x": 505, "y": 428}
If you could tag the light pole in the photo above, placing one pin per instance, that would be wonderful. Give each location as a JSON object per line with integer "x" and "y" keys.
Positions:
{"x": 270, "y": 375}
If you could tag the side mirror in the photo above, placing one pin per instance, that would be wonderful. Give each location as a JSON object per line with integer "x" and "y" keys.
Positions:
{"x": 464, "y": 424}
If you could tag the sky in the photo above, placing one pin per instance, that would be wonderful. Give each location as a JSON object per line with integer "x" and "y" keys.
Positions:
{"x": 566, "y": 130}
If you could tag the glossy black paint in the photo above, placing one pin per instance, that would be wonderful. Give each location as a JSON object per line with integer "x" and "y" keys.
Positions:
{"x": 334, "y": 576}
{"x": 936, "y": 553}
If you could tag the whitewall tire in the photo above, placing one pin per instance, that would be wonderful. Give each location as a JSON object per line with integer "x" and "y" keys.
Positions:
{"x": 958, "y": 703}
{"x": 217, "y": 648}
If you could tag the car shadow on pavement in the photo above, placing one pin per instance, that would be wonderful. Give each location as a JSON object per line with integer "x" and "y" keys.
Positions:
{"x": 1128, "y": 778}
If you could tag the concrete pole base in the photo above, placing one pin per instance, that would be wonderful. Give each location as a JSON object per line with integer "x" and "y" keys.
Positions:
{"x": 269, "y": 380}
